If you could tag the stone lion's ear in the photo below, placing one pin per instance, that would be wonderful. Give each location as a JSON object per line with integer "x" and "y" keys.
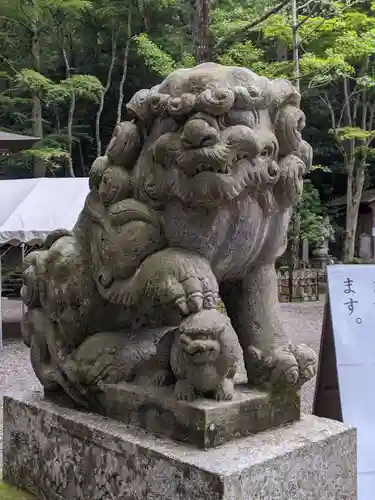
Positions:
{"x": 139, "y": 105}
{"x": 54, "y": 236}
{"x": 98, "y": 167}
{"x": 306, "y": 155}
{"x": 31, "y": 258}
{"x": 125, "y": 145}
{"x": 283, "y": 92}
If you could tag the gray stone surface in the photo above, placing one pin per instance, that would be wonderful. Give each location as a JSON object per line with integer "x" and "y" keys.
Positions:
{"x": 204, "y": 422}
{"x": 303, "y": 321}
{"x": 62, "y": 454}
{"x": 187, "y": 213}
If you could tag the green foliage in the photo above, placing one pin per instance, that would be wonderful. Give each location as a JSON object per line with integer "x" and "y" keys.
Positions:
{"x": 278, "y": 28}
{"x": 336, "y": 43}
{"x": 84, "y": 86}
{"x": 347, "y": 133}
{"x": 155, "y": 58}
{"x": 31, "y": 80}
{"x": 310, "y": 209}
{"x": 8, "y": 492}
{"x": 243, "y": 54}
{"x": 187, "y": 61}
{"x": 47, "y": 154}
{"x": 357, "y": 260}
{"x": 224, "y": 21}
{"x": 321, "y": 71}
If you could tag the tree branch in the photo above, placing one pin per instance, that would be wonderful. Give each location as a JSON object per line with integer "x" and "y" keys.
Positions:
{"x": 124, "y": 65}
{"x": 250, "y": 26}
{"x": 322, "y": 22}
{"x": 346, "y": 108}
{"x": 8, "y": 63}
{"x": 106, "y": 89}
{"x": 310, "y": 15}
{"x": 305, "y": 4}
{"x": 16, "y": 21}
{"x": 327, "y": 102}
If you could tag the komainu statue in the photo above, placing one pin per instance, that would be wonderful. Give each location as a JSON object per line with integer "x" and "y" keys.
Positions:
{"x": 168, "y": 277}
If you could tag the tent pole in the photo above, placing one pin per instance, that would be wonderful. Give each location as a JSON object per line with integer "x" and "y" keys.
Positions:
{"x": 23, "y": 307}
{"x": 1, "y": 305}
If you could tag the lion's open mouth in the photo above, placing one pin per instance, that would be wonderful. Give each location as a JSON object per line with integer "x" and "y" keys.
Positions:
{"x": 217, "y": 168}
{"x": 223, "y": 169}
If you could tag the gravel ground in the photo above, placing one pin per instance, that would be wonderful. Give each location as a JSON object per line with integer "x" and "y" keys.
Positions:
{"x": 303, "y": 322}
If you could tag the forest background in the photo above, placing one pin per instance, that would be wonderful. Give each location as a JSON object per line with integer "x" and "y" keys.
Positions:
{"x": 68, "y": 67}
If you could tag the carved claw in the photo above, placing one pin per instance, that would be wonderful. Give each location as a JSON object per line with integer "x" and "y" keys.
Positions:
{"x": 284, "y": 366}
{"x": 184, "y": 391}
{"x": 190, "y": 295}
{"x": 179, "y": 278}
{"x": 160, "y": 378}
{"x": 225, "y": 391}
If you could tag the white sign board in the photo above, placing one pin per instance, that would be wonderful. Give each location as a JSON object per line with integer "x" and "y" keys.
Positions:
{"x": 352, "y": 300}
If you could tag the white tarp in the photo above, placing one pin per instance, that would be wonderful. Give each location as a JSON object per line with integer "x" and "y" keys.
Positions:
{"x": 32, "y": 208}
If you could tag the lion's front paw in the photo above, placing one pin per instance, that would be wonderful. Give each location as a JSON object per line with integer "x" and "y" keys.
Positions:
{"x": 190, "y": 295}
{"x": 162, "y": 378}
{"x": 225, "y": 391}
{"x": 287, "y": 365}
{"x": 70, "y": 369}
{"x": 179, "y": 278}
{"x": 184, "y": 391}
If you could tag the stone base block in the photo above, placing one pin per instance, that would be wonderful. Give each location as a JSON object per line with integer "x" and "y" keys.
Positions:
{"x": 204, "y": 422}
{"x": 64, "y": 454}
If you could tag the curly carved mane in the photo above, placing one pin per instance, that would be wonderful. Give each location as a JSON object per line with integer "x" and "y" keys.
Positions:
{"x": 259, "y": 147}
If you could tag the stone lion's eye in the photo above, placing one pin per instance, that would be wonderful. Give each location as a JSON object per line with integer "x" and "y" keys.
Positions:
{"x": 267, "y": 151}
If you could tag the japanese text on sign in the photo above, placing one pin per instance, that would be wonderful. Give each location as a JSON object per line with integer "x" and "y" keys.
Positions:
{"x": 350, "y": 303}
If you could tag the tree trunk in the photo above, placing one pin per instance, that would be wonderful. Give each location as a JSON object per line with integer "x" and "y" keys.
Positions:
{"x": 295, "y": 44}
{"x": 124, "y": 68}
{"x": 354, "y": 195}
{"x": 202, "y": 34}
{"x": 39, "y": 168}
{"x": 104, "y": 93}
{"x": 295, "y": 230}
{"x": 294, "y": 245}
{"x": 72, "y": 107}
{"x": 296, "y": 216}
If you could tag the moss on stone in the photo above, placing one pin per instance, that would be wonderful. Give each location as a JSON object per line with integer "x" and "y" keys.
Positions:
{"x": 8, "y": 492}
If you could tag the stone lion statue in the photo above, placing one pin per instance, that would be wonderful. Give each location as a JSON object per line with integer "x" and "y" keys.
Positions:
{"x": 188, "y": 211}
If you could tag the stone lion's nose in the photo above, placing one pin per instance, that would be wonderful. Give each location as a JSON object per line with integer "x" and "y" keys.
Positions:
{"x": 198, "y": 133}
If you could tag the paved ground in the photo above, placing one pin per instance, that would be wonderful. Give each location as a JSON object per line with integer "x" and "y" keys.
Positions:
{"x": 11, "y": 309}
{"x": 303, "y": 322}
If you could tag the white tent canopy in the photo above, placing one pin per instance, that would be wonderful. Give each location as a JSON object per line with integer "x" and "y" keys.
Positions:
{"x": 30, "y": 209}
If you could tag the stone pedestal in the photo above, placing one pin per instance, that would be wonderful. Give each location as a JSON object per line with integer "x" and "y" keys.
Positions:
{"x": 59, "y": 453}
{"x": 322, "y": 262}
{"x": 205, "y": 423}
